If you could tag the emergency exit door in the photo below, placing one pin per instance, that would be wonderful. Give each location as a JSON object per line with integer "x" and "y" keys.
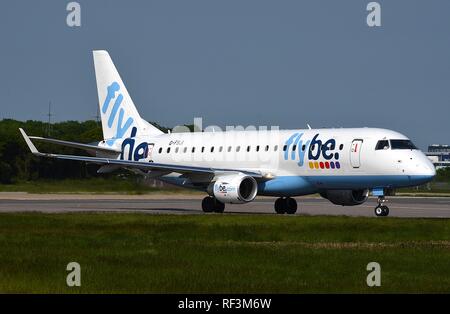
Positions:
{"x": 355, "y": 153}
{"x": 150, "y": 151}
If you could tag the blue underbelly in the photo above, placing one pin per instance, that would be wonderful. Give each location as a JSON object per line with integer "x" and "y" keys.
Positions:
{"x": 297, "y": 185}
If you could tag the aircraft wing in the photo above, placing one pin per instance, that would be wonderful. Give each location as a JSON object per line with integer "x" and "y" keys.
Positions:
{"x": 87, "y": 147}
{"x": 137, "y": 164}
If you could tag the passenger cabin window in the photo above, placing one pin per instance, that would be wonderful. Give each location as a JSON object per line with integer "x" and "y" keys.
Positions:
{"x": 381, "y": 145}
{"x": 284, "y": 148}
{"x": 275, "y": 148}
{"x": 402, "y": 144}
{"x": 212, "y": 149}
{"x": 168, "y": 149}
{"x": 257, "y": 148}
{"x": 160, "y": 150}
{"x": 248, "y": 148}
{"x": 238, "y": 148}
{"x": 267, "y": 148}
{"x": 220, "y": 149}
{"x": 229, "y": 148}
{"x": 193, "y": 149}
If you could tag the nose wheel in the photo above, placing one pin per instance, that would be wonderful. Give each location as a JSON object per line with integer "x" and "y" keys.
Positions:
{"x": 381, "y": 210}
{"x": 285, "y": 205}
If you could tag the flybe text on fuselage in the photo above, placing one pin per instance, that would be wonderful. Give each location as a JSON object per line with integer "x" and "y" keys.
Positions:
{"x": 135, "y": 152}
{"x": 314, "y": 151}
{"x": 297, "y": 148}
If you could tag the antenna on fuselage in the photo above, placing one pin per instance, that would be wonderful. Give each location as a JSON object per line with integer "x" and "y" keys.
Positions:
{"x": 309, "y": 127}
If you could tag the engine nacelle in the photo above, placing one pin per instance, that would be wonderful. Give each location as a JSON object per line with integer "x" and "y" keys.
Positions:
{"x": 346, "y": 197}
{"x": 236, "y": 189}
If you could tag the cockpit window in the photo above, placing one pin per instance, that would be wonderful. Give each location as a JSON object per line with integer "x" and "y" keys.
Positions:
{"x": 402, "y": 144}
{"x": 383, "y": 144}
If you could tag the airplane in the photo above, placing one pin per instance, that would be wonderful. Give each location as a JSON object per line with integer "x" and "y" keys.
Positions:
{"x": 343, "y": 165}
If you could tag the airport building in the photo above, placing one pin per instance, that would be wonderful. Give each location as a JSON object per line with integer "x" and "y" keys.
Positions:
{"x": 439, "y": 155}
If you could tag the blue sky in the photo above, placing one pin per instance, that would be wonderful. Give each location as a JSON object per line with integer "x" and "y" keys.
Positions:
{"x": 247, "y": 62}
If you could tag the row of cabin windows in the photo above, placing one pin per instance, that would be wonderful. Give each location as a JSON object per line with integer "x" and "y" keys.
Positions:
{"x": 311, "y": 148}
{"x": 238, "y": 148}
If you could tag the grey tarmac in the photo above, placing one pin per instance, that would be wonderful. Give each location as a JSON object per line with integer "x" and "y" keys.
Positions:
{"x": 426, "y": 207}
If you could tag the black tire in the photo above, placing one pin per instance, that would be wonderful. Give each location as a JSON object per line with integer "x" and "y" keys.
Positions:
{"x": 379, "y": 211}
{"x": 219, "y": 206}
{"x": 291, "y": 206}
{"x": 280, "y": 205}
{"x": 385, "y": 210}
{"x": 208, "y": 204}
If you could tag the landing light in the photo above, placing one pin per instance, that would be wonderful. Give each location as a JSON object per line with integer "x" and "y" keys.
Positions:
{"x": 268, "y": 175}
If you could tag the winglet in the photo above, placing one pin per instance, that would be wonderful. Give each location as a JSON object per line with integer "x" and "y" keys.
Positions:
{"x": 29, "y": 142}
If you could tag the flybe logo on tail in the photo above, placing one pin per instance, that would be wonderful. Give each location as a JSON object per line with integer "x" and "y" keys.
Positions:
{"x": 116, "y": 111}
{"x": 296, "y": 148}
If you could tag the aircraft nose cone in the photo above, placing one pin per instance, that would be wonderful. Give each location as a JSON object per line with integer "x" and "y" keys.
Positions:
{"x": 432, "y": 172}
{"x": 422, "y": 171}
{"x": 428, "y": 169}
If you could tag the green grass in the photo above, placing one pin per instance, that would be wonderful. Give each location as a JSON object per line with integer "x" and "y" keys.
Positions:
{"x": 93, "y": 185}
{"x": 221, "y": 253}
{"x": 428, "y": 189}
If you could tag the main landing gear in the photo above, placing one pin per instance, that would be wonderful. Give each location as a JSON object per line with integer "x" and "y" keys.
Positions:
{"x": 285, "y": 205}
{"x": 381, "y": 210}
{"x": 211, "y": 204}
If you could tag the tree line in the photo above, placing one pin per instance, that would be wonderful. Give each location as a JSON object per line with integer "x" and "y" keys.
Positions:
{"x": 18, "y": 164}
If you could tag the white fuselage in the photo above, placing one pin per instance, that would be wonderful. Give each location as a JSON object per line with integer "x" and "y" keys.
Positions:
{"x": 297, "y": 162}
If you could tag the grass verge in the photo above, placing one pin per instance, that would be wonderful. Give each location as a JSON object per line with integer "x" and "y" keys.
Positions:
{"x": 221, "y": 253}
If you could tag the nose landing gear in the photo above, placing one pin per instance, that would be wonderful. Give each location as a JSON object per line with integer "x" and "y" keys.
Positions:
{"x": 381, "y": 210}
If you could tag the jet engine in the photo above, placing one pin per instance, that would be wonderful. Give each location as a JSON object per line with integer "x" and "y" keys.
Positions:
{"x": 237, "y": 189}
{"x": 346, "y": 197}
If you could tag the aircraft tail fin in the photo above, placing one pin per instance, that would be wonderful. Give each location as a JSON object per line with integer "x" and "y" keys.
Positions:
{"x": 120, "y": 118}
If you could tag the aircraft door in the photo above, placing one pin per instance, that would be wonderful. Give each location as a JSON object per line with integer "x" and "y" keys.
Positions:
{"x": 150, "y": 152}
{"x": 355, "y": 153}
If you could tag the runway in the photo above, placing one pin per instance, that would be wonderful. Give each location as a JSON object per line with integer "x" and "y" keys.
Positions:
{"x": 436, "y": 207}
